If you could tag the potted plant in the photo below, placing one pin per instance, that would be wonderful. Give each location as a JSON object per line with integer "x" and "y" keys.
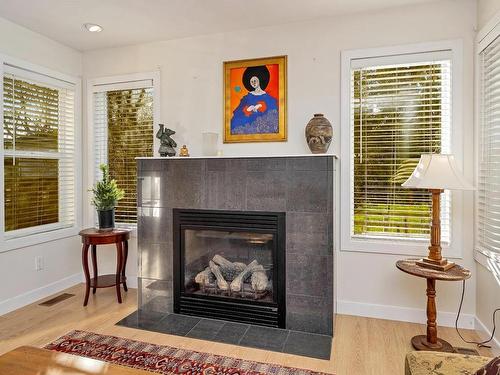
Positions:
{"x": 106, "y": 196}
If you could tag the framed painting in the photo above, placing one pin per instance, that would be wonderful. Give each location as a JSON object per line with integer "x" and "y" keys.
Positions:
{"x": 255, "y": 100}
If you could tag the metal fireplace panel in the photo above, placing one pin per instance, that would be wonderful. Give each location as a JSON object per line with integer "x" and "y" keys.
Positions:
{"x": 230, "y": 265}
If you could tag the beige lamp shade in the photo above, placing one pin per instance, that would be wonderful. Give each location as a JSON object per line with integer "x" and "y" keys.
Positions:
{"x": 437, "y": 171}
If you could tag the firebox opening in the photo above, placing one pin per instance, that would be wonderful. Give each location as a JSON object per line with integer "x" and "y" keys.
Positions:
{"x": 230, "y": 265}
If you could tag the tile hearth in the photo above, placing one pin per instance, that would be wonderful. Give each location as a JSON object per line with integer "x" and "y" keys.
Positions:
{"x": 266, "y": 338}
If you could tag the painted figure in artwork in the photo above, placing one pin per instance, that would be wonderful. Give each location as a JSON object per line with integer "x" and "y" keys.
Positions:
{"x": 257, "y": 112}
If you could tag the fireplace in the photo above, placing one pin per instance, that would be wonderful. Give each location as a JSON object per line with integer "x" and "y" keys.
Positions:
{"x": 230, "y": 265}
{"x": 300, "y": 189}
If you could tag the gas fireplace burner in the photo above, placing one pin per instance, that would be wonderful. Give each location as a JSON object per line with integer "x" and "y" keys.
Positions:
{"x": 230, "y": 265}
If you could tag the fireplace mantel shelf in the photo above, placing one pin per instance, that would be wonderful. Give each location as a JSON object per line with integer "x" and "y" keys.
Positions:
{"x": 235, "y": 157}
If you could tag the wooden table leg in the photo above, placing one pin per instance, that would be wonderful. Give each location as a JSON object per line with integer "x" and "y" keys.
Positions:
{"x": 85, "y": 263}
{"x": 119, "y": 253}
{"x": 125, "y": 256}
{"x": 431, "y": 341}
{"x": 94, "y": 266}
{"x": 431, "y": 313}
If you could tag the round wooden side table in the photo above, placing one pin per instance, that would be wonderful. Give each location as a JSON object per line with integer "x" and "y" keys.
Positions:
{"x": 431, "y": 341}
{"x": 93, "y": 237}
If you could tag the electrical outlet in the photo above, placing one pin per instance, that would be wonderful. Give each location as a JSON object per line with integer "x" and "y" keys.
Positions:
{"x": 38, "y": 263}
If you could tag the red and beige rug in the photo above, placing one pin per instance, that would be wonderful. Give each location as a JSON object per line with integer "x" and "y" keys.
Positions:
{"x": 162, "y": 359}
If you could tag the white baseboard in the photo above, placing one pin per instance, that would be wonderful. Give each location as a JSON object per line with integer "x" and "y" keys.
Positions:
{"x": 24, "y": 299}
{"x": 485, "y": 334}
{"x": 403, "y": 314}
{"x": 132, "y": 281}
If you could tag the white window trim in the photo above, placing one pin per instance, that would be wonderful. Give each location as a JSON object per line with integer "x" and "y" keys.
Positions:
{"x": 485, "y": 36}
{"x": 413, "y": 247}
{"x": 53, "y": 232}
{"x": 125, "y": 81}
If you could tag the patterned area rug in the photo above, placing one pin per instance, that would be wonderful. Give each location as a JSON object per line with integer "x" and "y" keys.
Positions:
{"x": 162, "y": 359}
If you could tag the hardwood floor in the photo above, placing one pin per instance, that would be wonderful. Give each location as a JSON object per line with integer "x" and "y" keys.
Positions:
{"x": 42, "y": 361}
{"x": 360, "y": 346}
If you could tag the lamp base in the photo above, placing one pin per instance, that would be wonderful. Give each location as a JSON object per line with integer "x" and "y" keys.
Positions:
{"x": 439, "y": 265}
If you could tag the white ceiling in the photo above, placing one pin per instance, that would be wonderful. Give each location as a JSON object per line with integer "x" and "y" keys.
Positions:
{"x": 137, "y": 21}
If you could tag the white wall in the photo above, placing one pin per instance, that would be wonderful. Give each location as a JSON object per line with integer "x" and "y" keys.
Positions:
{"x": 488, "y": 299}
{"x": 486, "y": 9}
{"x": 19, "y": 282}
{"x": 19, "y": 42}
{"x": 191, "y": 71}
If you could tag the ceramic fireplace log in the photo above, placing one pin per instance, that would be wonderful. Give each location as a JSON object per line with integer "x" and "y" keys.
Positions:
{"x": 221, "y": 282}
{"x": 221, "y": 269}
{"x": 259, "y": 280}
{"x": 228, "y": 269}
{"x": 237, "y": 283}
{"x": 205, "y": 277}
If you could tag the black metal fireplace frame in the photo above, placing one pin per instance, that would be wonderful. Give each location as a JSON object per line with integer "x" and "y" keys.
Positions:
{"x": 246, "y": 311}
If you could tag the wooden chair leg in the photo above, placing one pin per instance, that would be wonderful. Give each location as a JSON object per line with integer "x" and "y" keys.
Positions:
{"x": 94, "y": 264}
{"x": 124, "y": 265}
{"x": 119, "y": 252}
{"x": 85, "y": 263}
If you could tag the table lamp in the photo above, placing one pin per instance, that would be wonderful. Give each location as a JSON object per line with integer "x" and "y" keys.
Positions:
{"x": 436, "y": 172}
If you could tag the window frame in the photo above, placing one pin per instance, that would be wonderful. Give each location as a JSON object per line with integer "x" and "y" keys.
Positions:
{"x": 491, "y": 31}
{"x": 400, "y": 54}
{"x": 118, "y": 82}
{"x": 26, "y": 237}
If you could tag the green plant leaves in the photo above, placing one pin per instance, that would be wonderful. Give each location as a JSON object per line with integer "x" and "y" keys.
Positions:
{"x": 106, "y": 192}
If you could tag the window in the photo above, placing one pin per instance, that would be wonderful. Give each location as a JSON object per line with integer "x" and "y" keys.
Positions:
{"x": 399, "y": 112}
{"x": 123, "y": 115}
{"x": 400, "y": 106}
{"x": 488, "y": 174}
{"x": 39, "y": 163}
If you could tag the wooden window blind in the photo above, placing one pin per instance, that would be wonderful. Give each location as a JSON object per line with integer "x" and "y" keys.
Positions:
{"x": 488, "y": 189}
{"x": 39, "y": 154}
{"x": 123, "y": 128}
{"x": 398, "y": 112}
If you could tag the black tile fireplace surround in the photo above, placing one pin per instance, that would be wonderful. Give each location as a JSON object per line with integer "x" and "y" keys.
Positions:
{"x": 299, "y": 188}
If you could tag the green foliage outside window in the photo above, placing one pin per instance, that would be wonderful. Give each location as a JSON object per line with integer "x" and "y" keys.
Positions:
{"x": 31, "y": 188}
{"x": 397, "y": 116}
{"x": 31, "y": 123}
{"x": 130, "y": 135}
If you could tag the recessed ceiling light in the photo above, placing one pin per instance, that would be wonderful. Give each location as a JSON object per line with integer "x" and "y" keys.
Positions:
{"x": 92, "y": 27}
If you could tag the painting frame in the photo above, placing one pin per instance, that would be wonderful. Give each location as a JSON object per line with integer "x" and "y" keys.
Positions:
{"x": 281, "y": 134}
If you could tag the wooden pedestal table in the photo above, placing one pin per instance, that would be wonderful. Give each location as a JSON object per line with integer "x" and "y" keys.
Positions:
{"x": 456, "y": 273}
{"x": 93, "y": 237}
